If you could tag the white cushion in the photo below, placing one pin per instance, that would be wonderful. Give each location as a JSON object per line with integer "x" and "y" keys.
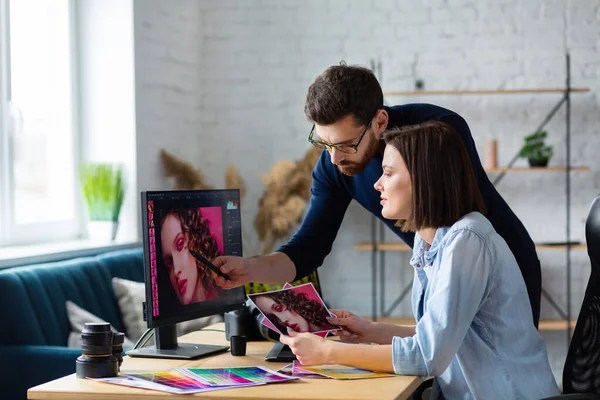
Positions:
{"x": 77, "y": 318}
{"x": 131, "y": 295}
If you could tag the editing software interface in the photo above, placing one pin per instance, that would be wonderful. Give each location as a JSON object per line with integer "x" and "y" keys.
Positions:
{"x": 184, "y": 229}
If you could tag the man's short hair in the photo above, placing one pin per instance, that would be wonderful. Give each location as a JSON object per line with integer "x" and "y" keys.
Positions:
{"x": 342, "y": 90}
{"x": 444, "y": 188}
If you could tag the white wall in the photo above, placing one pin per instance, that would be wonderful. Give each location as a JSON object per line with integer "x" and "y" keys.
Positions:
{"x": 224, "y": 81}
{"x": 105, "y": 36}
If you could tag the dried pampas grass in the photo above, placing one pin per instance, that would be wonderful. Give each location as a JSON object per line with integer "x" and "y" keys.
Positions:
{"x": 233, "y": 180}
{"x": 282, "y": 206}
{"x": 187, "y": 177}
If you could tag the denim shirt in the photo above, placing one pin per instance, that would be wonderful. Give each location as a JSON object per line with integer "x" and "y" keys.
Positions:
{"x": 474, "y": 329}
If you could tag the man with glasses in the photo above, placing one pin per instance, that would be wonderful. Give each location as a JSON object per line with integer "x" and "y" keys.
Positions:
{"x": 346, "y": 105}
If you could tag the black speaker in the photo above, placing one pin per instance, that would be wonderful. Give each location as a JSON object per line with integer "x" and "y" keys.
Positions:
{"x": 247, "y": 322}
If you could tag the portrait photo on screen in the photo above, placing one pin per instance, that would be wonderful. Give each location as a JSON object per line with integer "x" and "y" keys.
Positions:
{"x": 183, "y": 229}
{"x": 299, "y": 308}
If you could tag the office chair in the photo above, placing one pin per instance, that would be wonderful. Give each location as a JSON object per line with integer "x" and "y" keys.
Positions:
{"x": 581, "y": 374}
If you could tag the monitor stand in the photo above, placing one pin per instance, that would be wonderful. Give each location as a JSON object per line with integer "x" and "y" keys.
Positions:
{"x": 280, "y": 353}
{"x": 166, "y": 346}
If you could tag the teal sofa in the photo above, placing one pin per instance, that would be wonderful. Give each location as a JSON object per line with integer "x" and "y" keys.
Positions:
{"x": 34, "y": 326}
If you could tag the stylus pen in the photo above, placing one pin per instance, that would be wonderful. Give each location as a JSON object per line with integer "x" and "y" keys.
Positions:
{"x": 209, "y": 264}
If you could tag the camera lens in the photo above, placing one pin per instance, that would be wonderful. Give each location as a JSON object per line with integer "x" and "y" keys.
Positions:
{"x": 97, "y": 360}
{"x": 117, "y": 346}
{"x": 96, "y": 339}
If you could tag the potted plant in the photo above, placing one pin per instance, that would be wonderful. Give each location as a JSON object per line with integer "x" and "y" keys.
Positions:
{"x": 103, "y": 191}
{"x": 537, "y": 152}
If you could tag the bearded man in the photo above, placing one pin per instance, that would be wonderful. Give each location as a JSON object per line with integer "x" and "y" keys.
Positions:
{"x": 345, "y": 103}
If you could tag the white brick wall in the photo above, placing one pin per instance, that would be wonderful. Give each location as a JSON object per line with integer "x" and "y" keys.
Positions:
{"x": 220, "y": 81}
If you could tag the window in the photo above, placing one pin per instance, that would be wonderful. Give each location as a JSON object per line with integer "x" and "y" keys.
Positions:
{"x": 38, "y": 185}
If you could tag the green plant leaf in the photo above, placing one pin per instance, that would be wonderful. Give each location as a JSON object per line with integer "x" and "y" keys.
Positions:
{"x": 103, "y": 190}
{"x": 535, "y": 148}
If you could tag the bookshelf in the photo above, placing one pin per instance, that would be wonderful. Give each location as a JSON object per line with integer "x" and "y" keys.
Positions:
{"x": 378, "y": 247}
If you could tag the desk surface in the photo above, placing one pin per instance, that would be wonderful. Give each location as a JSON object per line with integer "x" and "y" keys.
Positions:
{"x": 70, "y": 387}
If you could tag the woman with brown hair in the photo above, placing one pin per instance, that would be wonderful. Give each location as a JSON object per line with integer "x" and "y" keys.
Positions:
{"x": 288, "y": 309}
{"x": 473, "y": 329}
{"x": 182, "y": 230}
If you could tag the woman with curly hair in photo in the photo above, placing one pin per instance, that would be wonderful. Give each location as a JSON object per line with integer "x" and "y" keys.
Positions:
{"x": 182, "y": 230}
{"x": 294, "y": 310}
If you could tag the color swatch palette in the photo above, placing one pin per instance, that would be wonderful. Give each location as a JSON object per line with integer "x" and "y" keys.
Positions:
{"x": 337, "y": 371}
{"x": 173, "y": 379}
{"x": 167, "y": 381}
{"x": 235, "y": 376}
{"x": 197, "y": 380}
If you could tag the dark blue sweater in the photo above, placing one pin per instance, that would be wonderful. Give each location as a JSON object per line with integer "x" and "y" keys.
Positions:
{"x": 332, "y": 192}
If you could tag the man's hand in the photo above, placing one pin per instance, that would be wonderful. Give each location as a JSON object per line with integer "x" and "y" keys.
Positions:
{"x": 238, "y": 268}
{"x": 356, "y": 329}
{"x": 309, "y": 349}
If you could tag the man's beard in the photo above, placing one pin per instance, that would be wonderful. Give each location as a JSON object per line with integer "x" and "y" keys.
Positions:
{"x": 356, "y": 167}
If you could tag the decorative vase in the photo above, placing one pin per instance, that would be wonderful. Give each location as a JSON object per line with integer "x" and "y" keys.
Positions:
{"x": 490, "y": 154}
{"x": 538, "y": 162}
{"x": 103, "y": 231}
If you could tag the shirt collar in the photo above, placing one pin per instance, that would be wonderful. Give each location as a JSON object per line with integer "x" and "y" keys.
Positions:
{"x": 423, "y": 253}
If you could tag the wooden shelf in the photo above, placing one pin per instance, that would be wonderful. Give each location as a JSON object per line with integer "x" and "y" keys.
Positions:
{"x": 395, "y": 320}
{"x": 480, "y": 91}
{"x": 401, "y": 246}
{"x": 541, "y": 246}
{"x": 537, "y": 169}
{"x": 545, "y": 325}
{"x": 555, "y": 325}
{"x": 387, "y": 246}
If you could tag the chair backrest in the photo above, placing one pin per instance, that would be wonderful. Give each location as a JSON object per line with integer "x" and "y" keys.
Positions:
{"x": 582, "y": 366}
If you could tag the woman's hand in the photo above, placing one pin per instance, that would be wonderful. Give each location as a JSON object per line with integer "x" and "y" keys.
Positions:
{"x": 309, "y": 349}
{"x": 356, "y": 329}
{"x": 238, "y": 268}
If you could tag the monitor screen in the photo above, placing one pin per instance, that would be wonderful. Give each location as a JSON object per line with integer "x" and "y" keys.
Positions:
{"x": 179, "y": 286}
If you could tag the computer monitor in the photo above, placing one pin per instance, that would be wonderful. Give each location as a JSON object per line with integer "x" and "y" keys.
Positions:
{"x": 280, "y": 352}
{"x": 180, "y": 287}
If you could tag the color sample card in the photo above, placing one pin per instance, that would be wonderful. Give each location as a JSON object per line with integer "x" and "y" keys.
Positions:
{"x": 235, "y": 376}
{"x": 337, "y": 371}
{"x": 293, "y": 370}
{"x": 150, "y": 384}
{"x": 297, "y": 368}
{"x": 172, "y": 379}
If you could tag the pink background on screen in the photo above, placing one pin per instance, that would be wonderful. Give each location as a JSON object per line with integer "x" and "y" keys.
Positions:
{"x": 214, "y": 216}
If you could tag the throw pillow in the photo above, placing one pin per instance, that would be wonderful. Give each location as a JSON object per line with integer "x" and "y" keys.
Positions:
{"x": 131, "y": 295}
{"x": 78, "y": 317}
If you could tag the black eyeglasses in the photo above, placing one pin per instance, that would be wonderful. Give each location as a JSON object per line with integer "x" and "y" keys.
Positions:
{"x": 344, "y": 148}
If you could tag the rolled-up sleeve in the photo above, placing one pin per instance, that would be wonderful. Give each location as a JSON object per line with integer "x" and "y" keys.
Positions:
{"x": 457, "y": 287}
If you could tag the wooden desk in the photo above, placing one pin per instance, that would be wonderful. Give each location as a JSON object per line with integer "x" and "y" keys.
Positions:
{"x": 70, "y": 387}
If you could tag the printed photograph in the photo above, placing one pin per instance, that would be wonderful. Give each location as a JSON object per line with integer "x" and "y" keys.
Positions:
{"x": 299, "y": 308}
